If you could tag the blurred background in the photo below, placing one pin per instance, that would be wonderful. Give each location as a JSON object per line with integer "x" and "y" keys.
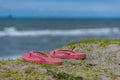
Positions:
{"x": 27, "y": 25}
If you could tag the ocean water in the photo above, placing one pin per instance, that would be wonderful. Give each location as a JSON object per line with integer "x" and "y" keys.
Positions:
{"x": 21, "y": 35}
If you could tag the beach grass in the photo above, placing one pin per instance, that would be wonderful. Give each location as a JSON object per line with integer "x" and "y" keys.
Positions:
{"x": 102, "y": 63}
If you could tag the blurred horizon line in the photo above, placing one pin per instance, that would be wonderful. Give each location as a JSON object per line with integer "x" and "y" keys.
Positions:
{"x": 12, "y": 17}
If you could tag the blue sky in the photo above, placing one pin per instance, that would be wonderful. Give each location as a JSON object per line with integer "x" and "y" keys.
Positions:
{"x": 60, "y": 8}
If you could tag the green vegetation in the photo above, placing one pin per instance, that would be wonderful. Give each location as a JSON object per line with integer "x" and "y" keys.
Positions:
{"x": 102, "y": 63}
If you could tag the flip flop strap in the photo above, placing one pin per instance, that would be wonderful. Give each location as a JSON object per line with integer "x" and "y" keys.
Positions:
{"x": 64, "y": 52}
{"x": 35, "y": 55}
{"x": 40, "y": 52}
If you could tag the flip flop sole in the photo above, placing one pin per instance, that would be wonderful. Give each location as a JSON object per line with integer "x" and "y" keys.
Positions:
{"x": 36, "y": 59}
{"x": 65, "y": 54}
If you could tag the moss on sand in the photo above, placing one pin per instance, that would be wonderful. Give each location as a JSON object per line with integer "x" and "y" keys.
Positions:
{"x": 102, "y": 63}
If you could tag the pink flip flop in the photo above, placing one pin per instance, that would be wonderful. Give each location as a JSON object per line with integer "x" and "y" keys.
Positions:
{"x": 68, "y": 54}
{"x": 32, "y": 57}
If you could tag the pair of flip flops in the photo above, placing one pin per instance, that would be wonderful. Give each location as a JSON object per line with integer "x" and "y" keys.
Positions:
{"x": 53, "y": 58}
